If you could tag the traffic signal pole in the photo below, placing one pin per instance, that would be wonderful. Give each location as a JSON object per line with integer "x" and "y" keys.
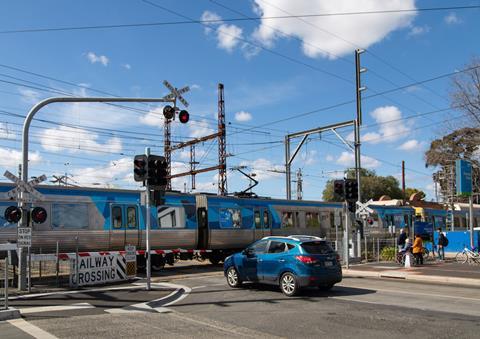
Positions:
{"x": 24, "y": 205}
{"x": 147, "y": 227}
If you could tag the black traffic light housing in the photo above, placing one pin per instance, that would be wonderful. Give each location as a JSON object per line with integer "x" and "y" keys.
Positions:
{"x": 39, "y": 215}
{"x": 339, "y": 190}
{"x": 351, "y": 190}
{"x": 169, "y": 112}
{"x": 183, "y": 116}
{"x": 157, "y": 172}
{"x": 140, "y": 167}
{"x": 13, "y": 214}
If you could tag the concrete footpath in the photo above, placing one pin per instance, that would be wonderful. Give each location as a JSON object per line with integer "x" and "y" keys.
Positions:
{"x": 432, "y": 271}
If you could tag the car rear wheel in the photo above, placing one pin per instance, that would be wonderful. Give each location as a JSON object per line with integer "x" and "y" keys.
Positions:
{"x": 289, "y": 284}
{"x": 233, "y": 280}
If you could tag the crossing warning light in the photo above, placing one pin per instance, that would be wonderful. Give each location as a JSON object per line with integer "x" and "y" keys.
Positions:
{"x": 13, "y": 214}
{"x": 140, "y": 167}
{"x": 39, "y": 215}
{"x": 183, "y": 116}
{"x": 157, "y": 171}
{"x": 168, "y": 112}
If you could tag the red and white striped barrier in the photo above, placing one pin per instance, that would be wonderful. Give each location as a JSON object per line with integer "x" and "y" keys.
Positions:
{"x": 68, "y": 256}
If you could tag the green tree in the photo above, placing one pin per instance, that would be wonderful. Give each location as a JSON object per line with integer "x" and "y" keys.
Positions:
{"x": 373, "y": 186}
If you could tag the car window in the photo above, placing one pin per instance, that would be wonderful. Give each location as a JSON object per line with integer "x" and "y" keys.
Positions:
{"x": 316, "y": 247}
{"x": 290, "y": 246}
{"x": 276, "y": 247}
{"x": 260, "y": 247}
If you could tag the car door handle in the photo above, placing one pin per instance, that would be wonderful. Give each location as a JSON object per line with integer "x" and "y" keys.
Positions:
{"x": 260, "y": 260}
{"x": 281, "y": 260}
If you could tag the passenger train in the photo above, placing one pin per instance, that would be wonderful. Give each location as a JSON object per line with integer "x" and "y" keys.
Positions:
{"x": 94, "y": 219}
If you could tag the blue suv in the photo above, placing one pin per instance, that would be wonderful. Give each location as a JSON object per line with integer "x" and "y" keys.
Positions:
{"x": 291, "y": 262}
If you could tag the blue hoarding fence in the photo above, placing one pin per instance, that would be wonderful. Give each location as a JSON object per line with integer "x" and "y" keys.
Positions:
{"x": 457, "y": 240}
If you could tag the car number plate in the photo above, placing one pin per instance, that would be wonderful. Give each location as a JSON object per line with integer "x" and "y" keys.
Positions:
{"x": 328, "y": 263}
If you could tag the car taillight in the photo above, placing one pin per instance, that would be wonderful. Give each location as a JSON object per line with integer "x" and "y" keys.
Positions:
{"x": 306, "y": 259}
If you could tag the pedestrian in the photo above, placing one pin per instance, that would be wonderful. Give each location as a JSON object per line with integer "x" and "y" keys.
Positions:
{"x": 401, "y": 239}
{"x": 418, "y": 249}
{"x": 442, "y": 243}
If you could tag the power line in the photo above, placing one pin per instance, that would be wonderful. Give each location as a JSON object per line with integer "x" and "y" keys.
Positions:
{"x": 213, "y": 21}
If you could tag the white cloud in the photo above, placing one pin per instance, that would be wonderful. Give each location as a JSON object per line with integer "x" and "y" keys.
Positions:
{"x": 29, "y": 96}
{"x": 452, "y": 19}
{"x": 320, "y": 34}
{"x": 115, "y": 171}
{"x": 329, "y": 157}
{"x": 7, "y": 132}
{"x": 75, "y": 140}
{"x": 347, "y": 159}
{"x": 154, "y": 117}
{"x": 195, "y": 86}
{"x": 227, "y": 35}
{"x": 419, "y": 30}
{"x": 200, "y": 129}
{"x": 127, "y": 66}
{"x": 391, "y": 127}
{"x": 410, "y": 145}
{"x": 243, "y": 116}
{"x": 11, "y": 158}
{"x": 310, "y": 157}
{"x": 264, "y": 169}
{"x": 93, "y": 58}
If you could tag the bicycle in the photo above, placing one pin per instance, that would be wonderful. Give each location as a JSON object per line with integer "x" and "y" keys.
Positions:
{"x": 468, "y": 256}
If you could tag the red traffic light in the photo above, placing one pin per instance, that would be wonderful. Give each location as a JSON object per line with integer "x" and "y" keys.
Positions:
{"x": 13, "y": 214}
{"x": 39, "y": 215}
{"x": 169, "y": 112}
{"x": 183, "y": 116}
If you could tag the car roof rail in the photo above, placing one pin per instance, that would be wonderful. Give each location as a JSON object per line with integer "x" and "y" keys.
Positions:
{"x": 301, "y": 237}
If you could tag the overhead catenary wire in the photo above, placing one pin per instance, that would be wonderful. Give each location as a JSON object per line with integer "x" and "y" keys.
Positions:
{"x": 212, "y": 21}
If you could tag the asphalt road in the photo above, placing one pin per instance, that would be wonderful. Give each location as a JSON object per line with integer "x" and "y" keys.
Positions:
{"x": 356, "y": 308}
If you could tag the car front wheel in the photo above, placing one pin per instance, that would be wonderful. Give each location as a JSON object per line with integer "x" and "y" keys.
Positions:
{"x": 233, "y": 279}
{"x": 289, "y": 284}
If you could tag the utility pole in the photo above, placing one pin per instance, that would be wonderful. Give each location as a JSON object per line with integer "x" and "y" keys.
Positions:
{"x": 222, "y": 144}
{"x": 403, "y": 182}
{"x": 299, "y": 185}
{"x": 358, "y": 122}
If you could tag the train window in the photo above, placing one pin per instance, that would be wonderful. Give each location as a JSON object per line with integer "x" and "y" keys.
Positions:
{"x": 287, "y": 219}
{"x": 312, "y": 219}
{"x": 117, "y": 217}
{"x": 70, "y": 216}
{"x": 230, "y": 218}
{"x": 132, "y": 217}
{"x": 258, "y": 222}
{"x": 266, "y": 220}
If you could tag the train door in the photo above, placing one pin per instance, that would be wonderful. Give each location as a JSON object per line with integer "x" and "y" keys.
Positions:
{"x": 257, "y": 223}
{"x": 266, "y": 222}
{"x": 124, "y": 223}
{"x": 202, "y": 222}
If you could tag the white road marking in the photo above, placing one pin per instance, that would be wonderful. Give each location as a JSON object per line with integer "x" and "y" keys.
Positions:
{"x": 31, "y": 329}
{"x": 198, "y": 287}
{"x": 417, "y": 293}
{"x": 42, "y": 309}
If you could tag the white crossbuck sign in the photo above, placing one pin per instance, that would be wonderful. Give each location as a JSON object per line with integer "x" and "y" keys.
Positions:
{"x": 363, "y": 210}
{"x": 26, "y": 187}
{"x": 176, "y": 93}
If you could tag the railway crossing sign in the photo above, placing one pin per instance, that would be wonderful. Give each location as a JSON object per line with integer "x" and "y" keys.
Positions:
{"x": 363, "y": 210}
{"x": 176, "y": 93}
{"x": 131, "y": 261}
{"x": 27, "y": 187}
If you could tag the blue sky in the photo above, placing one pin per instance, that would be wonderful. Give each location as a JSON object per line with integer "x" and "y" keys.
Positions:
{"x": 272, "y": 69}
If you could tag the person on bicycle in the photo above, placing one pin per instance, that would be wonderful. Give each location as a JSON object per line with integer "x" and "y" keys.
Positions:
{"x": 442, "y": 242}
{"x": 418, "y": 249}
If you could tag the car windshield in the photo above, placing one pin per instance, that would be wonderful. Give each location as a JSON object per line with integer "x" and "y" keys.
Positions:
{"x": 317, "y": 247}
